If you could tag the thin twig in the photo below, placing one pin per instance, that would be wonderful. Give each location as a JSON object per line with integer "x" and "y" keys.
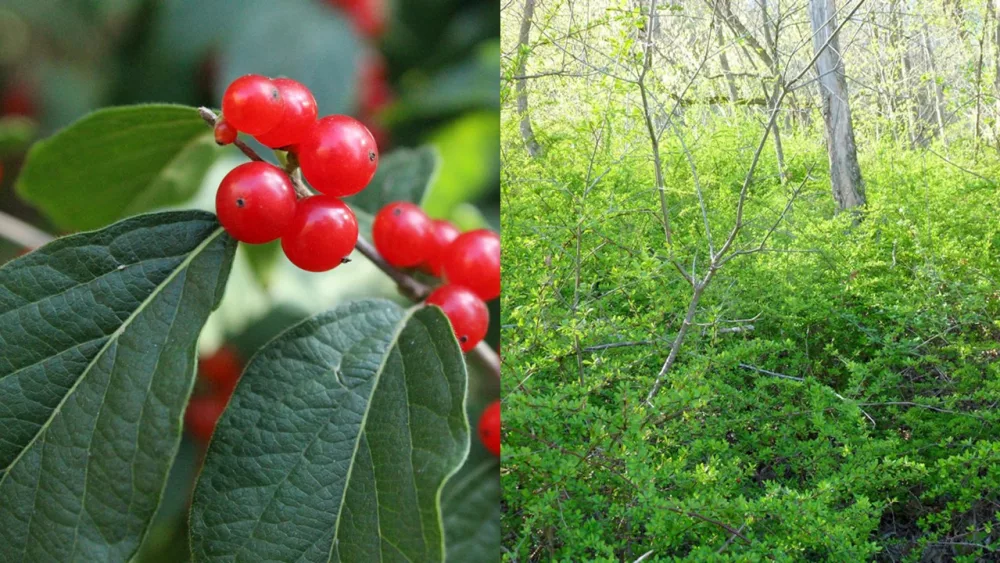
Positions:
{"x": 730, "y": 540}
{"x": 920, "y": 406}
{"x": 966, "y": 170}
{"x": 610, "y": 345}
{"x": 410, "y": 287}
{"x": 800, "y": 379}
{"x": 210, "y": 118}
{"x": 774, "y": 373}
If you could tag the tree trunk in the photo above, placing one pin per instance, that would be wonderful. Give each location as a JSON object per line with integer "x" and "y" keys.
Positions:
{"x": 901, "y": 73}
{"x": 845, "y": 172}
{"x": 911, "y": 103}
{"x": 772, "y": 44}
{"x": 887, "y": 102}
{"x": 937, "y": 90}
{"x": 768, "y": 56}
{"x": 958, "y": 14}
{"x": 527, "y": 133}
{"x": 724, "y": 63}
{"x": 979, "y": 91}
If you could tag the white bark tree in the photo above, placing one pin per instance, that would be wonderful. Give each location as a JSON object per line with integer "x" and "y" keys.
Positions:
{"x": 845, "y": 172}
{"x": 527, "y": 132}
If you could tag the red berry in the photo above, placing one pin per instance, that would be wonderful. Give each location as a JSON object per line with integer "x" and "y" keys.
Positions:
{"x": 323, "y": 232}
{"x": 489, "y": 428}
{"x": 253, "y": 104}
{"x": 443, "y": 234}
{"x": 19, "y": 99}
{"x": 473, "y": 260}
{"x": 202, "y": 414}
{"x": 402, "y": 234}
{"x": 225, "y": 134}
{"x": 374, "y": 90}
{"x": 368, "y": 16}
{"x": 300, "y": 114}
{"x": 255, "y": 202}
{"x": 338, "y": 156}
{"x": 222, "y": 369}
{"x": 468, "y": 314}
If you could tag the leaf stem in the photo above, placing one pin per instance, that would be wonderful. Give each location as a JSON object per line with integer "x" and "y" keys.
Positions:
{"x": 410, "y": 287}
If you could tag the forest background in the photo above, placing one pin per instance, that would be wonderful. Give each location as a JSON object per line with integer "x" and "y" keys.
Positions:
{"x": 750, "y": 280}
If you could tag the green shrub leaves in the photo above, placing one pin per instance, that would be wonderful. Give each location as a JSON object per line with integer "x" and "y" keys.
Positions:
{"x": 337, "y": 442}
{"x": 98, "y": 334}
{"x": 117, "y": 162}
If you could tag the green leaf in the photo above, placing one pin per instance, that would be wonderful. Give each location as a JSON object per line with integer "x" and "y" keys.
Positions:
{"x": 470, "y": 503}
{"x": 99, "y": 333}
{"x": 265, "y": 329}
{"x": 402, "y": 175}
{"x": 469, "y": 148}
{"x": 117, "y": 162}
{"x": 65, "y": 25}
{"x": 468, "y": 217}
{"x": 304, "y": 40}
{"x": 337, "y": 442}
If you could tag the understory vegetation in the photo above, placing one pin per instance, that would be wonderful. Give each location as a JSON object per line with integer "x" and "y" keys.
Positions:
{"x": 751, "y": 308}
{"x": 850, "y": 415}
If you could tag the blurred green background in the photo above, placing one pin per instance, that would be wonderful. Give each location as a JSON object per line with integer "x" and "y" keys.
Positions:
{"x": 417, "y": 72}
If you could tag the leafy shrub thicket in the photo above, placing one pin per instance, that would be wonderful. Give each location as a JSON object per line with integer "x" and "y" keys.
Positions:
{"x": 882, "y": 441}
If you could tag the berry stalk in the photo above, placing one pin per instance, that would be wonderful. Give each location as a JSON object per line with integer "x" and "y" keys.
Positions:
{"x": 210, "y": 118}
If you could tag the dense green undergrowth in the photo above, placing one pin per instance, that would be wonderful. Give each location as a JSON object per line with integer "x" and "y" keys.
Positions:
{"x": 886, "y": 444}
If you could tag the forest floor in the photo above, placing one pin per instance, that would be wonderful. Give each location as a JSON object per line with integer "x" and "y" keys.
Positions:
{"x": 835, "y": 400}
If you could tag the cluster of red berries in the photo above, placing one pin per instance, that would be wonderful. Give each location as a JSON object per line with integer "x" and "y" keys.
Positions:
{"x": 489, "y": 428}
{"x": 257, "y": 203}
{"x": 218, "y": 374}
{"x": 468, "y": 262}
